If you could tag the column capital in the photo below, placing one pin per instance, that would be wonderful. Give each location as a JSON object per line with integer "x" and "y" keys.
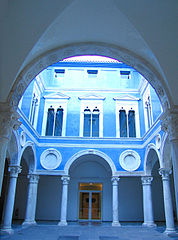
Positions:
{"x": 165, "y": 172}
{"x": 169, "y": 123}
{"x": 146, "y": 180}
{"x": 33, "y": 178}
{"x": 115, "y": 180}
{"x": 8, "y": 120}
{"x": 14, "y": 171}
{"x": 65, "y": 180}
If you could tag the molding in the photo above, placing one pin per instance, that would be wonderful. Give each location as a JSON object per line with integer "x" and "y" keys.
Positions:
{"x": 90, "y": 151}
{"x": 50, "y": 159}
{"x": 91, "y": 96}
{"x": 126, "y": 97}
{"x": 86, "y": 48}
{"x": 58, "y": 95}
{"x": 50, "y": 172}
{"x": 130, "y": 160}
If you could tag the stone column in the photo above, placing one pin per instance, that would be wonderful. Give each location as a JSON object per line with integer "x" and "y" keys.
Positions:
{"x": 168, "y": 208}
{"x": 115, "y": 221}
{"x": 147, "y": 202}
{"x": 8, "y": 122}
{"x": 169, "y": 124}
{"x": 9, "y": 207}
{"x": 65, "y": 182}
{"x": 31, "y": 200}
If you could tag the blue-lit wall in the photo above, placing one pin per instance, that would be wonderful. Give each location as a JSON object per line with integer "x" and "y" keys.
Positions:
{"x": 112, "y": 86}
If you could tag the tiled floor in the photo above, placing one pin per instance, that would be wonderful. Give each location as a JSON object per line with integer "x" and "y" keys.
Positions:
{"x": 87, "y": 232}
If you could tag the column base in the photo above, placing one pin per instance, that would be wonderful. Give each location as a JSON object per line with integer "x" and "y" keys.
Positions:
{"x": 28, "y": 223}
{"x": 116, "y": 224}
{"x": 7, "y": 230}
{"x": 62, "y": 223}
{"x": 149, "y": 224}
{"x": 170, "y": 232}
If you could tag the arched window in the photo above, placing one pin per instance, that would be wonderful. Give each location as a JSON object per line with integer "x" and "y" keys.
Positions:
{"x": 87, "y": 123}
{"x": 123, "y": 123}
{"x": 131, "y": 123}
{"x": 50, "y": 122}
{"x": 148, "y": 112}
{"x": 34, "y": 105}
{"x": 95, "y": 122}
{"x": 58, "y": 122}
{"x": 91, "y": 122}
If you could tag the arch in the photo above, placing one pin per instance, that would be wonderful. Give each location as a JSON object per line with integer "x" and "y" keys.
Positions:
{"x": 89, "y": 48}
{"x": 149, "y": 163}
{"x": 166, "y": 159}
{"x": 90, "y": 151}
{"x": 32, "y": 163}
{"x": 14, "y": 148}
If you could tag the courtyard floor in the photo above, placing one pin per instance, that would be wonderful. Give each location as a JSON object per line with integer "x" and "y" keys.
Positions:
{"x": 49, "y": 231}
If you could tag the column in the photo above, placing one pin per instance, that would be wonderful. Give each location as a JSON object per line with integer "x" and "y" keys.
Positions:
{"x": 169, "y": 124}
{"x": 115, "y": 221}
{"x": 8, "y": 213}
{"x": 8, "y": 122}
{"x": 65, "y": 183}
{"x": 147, "y": 202}
{"x": 168, "y": 208}
{"x": 31, "y": 200}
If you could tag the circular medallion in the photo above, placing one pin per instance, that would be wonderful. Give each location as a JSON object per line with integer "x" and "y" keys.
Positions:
{"x": 50, "y": 159}
{"x": 130, "y": 160}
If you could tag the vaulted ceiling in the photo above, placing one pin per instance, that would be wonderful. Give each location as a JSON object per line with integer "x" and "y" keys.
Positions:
{"x": 145, "y": 28}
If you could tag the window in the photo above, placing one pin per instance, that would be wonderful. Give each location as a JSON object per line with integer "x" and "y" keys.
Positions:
{"x": 33, "y": 115}
{"x": 54, "y": 122}
{"x": 55, "y": 115}
{"x": 34, "y": 105}
{"x": 92, "y": 73}
{"x": 91, "y": 122}
{"x": 91, "y": 116}
{"x": 148, "y": 112}
{"x": 147, "y": 109}
{"x": 125, "y": 74}
{"x": 127, "y": 116}
{"x": 59, "y": 73}
{"x": 127, "y": 123}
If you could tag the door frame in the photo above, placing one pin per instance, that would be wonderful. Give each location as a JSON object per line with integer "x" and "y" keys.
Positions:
{"x": 90, "y": 193}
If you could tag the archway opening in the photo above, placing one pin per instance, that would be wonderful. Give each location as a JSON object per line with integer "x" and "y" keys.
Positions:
{"x": 90, "y": 191}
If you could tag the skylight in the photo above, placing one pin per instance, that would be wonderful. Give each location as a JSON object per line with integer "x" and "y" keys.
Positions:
{"x": 91, "y": 58}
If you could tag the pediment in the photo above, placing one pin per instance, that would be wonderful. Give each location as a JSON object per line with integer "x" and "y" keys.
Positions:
{"x": 56, "y": 96}
{"x": 91, "y": 97}
{"x": 126, "y": 98}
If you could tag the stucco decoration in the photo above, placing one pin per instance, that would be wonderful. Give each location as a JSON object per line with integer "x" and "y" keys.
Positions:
{"x": 22, "y": 138}
{"x": 129, "y": 160}
{"x": 50, "y": 159}
{"x": 88, "y": 48}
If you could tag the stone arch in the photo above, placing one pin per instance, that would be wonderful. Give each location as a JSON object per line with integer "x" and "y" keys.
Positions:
{"x": 14, "y": 149}
{"x": 89, "y": 48}
{"x": 93, "y": 152}
{"x": 151, "y": 156}
{"x": 166, "y": 160}
{"x": 31, "y": 161}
